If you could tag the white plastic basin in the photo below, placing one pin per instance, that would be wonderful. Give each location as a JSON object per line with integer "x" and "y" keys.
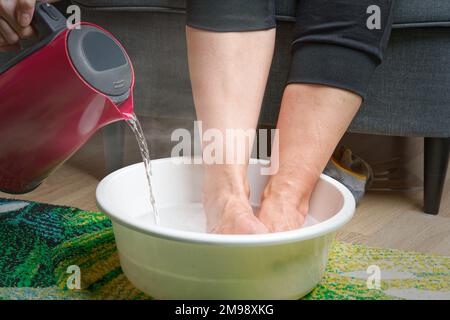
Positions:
{"x": 178, "y": 260}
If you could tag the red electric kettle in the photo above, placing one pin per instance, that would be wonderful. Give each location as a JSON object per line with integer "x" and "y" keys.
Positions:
{"x": 56, "y": 94}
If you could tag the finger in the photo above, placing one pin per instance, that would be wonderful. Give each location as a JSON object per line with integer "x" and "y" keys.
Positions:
{"x": 8, "y": 33}
{"x": 27, "y": 32}
{"x": 24, "y": 12}
{"x": 7, "y": 12}
{"x": 2, "y": 40}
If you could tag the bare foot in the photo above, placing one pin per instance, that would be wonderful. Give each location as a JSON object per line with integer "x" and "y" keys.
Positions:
{"x": 284, "y": 205}
{"x": 237, "y": 217}
{"x": 225, "y": 200}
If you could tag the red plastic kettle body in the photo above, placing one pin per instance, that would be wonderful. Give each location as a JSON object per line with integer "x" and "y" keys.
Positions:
{"x": 56, "y": 94}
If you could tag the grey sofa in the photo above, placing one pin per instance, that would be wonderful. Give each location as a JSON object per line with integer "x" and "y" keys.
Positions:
{"x": 409, "y": 95}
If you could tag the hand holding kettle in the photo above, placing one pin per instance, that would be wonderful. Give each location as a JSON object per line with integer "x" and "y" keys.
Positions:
{"x": 77, "y": 80}
{"x": 15, "y": 22}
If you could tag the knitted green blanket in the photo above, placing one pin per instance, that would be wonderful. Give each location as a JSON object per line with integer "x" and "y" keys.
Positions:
{"x": 44, "y": 249}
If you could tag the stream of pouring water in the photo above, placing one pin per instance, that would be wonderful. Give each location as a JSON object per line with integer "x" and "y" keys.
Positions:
{"x": 135, "y": 126}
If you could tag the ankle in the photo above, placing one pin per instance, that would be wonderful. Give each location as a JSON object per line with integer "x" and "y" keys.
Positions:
{"x": 290, "y": 190}
{"x": 226, "y": 179}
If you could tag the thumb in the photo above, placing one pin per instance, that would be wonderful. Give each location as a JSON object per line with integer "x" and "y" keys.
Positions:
{"x": 24, "y": 12}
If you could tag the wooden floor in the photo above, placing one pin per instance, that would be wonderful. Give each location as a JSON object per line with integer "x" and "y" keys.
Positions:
{"x": 383, "y": 219}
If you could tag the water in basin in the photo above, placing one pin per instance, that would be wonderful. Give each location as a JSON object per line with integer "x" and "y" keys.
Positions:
{"x": 189, "y": 217}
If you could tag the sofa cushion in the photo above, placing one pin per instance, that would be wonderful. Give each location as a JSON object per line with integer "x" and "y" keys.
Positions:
{"x": 407, "y": 13}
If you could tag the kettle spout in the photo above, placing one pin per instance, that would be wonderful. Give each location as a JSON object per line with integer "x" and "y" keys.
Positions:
{"x": 125, "y": 107}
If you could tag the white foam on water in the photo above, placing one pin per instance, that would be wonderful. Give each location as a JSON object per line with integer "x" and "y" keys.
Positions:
{"x": 189, "y": 217}
{"x": 186, "y": 217}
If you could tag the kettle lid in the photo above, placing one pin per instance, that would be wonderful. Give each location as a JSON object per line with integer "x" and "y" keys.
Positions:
{"x": 101, "y": 61}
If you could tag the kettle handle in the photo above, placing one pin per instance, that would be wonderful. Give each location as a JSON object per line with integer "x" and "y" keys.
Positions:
{"x": 47, "y": 20}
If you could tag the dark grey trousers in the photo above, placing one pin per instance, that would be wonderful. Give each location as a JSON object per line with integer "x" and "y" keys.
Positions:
{"x": 336, "y": 42}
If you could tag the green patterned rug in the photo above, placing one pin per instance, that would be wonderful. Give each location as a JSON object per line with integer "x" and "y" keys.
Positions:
{"x": 39, "y": 243}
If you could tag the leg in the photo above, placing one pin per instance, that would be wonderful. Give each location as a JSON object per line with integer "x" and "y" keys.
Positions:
{"x": 229, "y": 72}
{"x": 436, "y": 159}
{"x": 334, "y": 56}
{"x": 114, "y": 143}
{"x": 312, "y": 120}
